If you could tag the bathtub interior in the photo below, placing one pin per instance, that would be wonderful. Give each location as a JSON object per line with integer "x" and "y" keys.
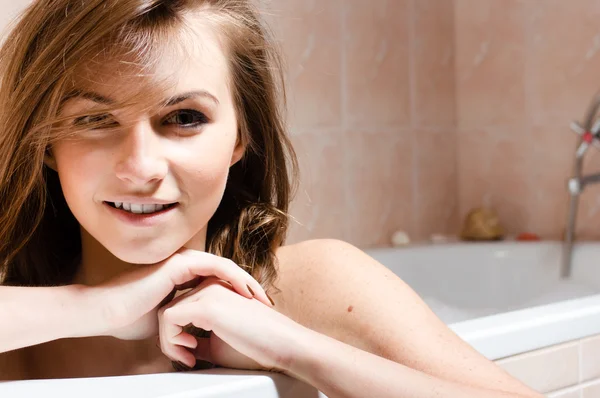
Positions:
{"x": 470, "y": 280}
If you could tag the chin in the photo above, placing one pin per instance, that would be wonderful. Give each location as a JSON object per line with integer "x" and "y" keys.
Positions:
{"x": 145, "y": 254}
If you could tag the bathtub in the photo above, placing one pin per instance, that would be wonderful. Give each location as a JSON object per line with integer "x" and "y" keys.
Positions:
{"x": 502, "y": 298}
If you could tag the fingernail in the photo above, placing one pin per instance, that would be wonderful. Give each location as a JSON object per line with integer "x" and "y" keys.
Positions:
{"x": 250, "y": 290}
{"x": 270, "y": 299}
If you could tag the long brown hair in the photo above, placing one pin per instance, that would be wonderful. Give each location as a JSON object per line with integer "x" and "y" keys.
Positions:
{"x": 40, "y": 239}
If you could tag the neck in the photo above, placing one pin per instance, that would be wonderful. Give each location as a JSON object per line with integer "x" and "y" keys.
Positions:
{"x": 98, "y": 264}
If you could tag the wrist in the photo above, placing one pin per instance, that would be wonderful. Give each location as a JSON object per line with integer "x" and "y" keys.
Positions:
{"x": 304, "y": 357}
{"x": 86, "y": 313}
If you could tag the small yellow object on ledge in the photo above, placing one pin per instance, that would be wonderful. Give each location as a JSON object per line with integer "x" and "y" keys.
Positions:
{"x": 482, "y": 224}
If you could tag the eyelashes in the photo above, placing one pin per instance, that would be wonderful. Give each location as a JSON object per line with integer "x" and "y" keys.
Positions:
{"x": 183, "y": 118}
{"x": 188, "y": 118}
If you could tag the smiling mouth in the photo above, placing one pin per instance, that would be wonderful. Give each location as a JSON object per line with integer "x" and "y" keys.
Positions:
{"x": 140, "y": 209}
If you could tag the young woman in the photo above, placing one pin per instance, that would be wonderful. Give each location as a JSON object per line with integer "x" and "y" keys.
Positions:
{"x": 145, "y": 177}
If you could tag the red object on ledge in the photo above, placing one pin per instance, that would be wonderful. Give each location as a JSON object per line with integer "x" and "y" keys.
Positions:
{"x": 528, "y": 237}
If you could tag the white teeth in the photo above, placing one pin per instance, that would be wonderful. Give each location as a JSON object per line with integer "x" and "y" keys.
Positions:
{"x": 148, "y": 209}
{"x": 152, "y": 208}
{"x": 137, "y": 209}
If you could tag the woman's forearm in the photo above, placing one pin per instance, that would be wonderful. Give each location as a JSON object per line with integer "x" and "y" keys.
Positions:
{"x": 340, "y": 370}
{"x": 35, "y": 315}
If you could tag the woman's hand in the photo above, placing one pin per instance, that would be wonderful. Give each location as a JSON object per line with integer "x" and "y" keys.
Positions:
{"x": 246, "y": 334}
{"x": 129, "y": 302}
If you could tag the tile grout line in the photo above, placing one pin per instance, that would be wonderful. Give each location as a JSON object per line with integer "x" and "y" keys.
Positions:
{"x": 581, "y": 386}
{"x": 580, "y": 360}
{"x": 413, "y": 111}
{"x": 344, "y": 110}
{"x": 343, "y": 66}
{"x": 526, "y": 21}
{"x": 454, "y": 77}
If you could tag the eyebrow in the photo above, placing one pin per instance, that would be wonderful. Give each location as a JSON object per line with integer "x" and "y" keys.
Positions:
{"x": 92, "y": 96}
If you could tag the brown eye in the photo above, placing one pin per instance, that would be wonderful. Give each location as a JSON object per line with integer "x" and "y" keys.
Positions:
{"x": 187, "y": 118}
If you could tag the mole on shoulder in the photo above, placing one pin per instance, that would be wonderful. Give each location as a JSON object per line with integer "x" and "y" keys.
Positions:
{"x": 350, "y": 308}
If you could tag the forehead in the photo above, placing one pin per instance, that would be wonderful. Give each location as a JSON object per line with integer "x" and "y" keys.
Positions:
{"x": 192, "y": 60}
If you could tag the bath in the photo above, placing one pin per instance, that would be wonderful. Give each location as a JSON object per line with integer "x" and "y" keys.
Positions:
{"x": 503, "y": 298}
{"x": 507, "y": 300}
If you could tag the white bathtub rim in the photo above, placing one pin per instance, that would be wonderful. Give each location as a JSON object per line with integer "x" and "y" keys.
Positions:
{"x": 516, "y": 332}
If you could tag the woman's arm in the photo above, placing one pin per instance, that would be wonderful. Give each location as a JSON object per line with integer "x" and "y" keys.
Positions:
{"x": 124, "y": 307}
{"x": 338, "y": 291}
{"x": 341, "y": 370}
{"x": 35, "y": 315}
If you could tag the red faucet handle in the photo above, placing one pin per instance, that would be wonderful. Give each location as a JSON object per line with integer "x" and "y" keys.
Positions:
{"x": 587, "y": 138}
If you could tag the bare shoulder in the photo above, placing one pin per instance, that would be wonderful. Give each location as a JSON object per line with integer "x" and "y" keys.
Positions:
{"x": 321, "y": 281}
{"x": 337, "y": 289}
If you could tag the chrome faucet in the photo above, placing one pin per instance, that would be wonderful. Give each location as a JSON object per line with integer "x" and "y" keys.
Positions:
{"x": 589, "y": 135}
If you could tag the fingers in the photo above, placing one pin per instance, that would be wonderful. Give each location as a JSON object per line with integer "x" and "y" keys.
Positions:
{"x": 180, "y": 354}
{"x": 176, "y": 317}
{"x": 185, "y": 339}
{"x": 191, "y": 265}
{"x": 174, "y": 341}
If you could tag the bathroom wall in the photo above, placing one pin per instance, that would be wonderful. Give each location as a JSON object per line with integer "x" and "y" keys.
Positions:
{"x": 372, "y": 110}
{"x": 409, "y": 113}
{"x": 524, "y": 70}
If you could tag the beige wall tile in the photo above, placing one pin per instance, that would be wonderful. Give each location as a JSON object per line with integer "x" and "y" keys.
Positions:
{"x": 376, "y": 63}
{"x": 436, "y": 201}
{"x": 564, "y": 57}
{"x": 548, "y": 369}
{"x": 379, "y": 191}
{"x": 433, "y": 64}
{"x": 310, "y": 32}
{"x": 320, "y": 206}
{"x": 591, "y": 391}
{"x": 590, "y": 358}
{"x": 490, "y": 62}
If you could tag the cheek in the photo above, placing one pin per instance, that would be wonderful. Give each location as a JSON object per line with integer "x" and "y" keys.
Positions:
{"x": 78, "y": 171}
{"x": 208, "y": 158}
{"x": 207, "y": 172}
{"x": 205, "y": 168}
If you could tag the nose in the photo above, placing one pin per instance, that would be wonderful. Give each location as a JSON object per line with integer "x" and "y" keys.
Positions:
{"x": 141, "y": 160}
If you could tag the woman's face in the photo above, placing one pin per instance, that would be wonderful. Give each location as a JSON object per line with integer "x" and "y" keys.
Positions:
{"x": 180, "y": 154}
